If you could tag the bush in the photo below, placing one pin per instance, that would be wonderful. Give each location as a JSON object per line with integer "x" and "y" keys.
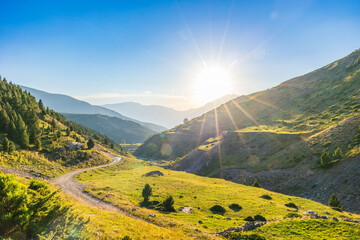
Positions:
{"x": 126, "y": 238}
{"x": 334, "y": 202}
{"x": 292, "y": 215}
{"x": 249, "y": 219}
{"x": 168, "y": 204}
{"x": 217, "y": 209}
{"x": 235, "y": 207}
{"x": 267, "y": 197}
{"x": 246, "y": 236}
{"x": 291, "y": 205}
{"x": 259, "y": 218}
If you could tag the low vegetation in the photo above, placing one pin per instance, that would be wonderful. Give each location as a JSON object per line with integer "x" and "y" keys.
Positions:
{"x": 211, "y": 200}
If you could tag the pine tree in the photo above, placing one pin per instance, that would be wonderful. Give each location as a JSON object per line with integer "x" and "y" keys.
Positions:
{"x": 245, "y": 182}
{"x": 4, "y": 121}
{"x": 256, "y": 183}
{"x": 147, "y": 192}
{"x": 68, "y": 132}
{"x": 12, "y": 131}
{"x": 91, "y": 143}
{"x": 338, "y": 154}
{"x": 334, "y": 202}
{"x": 325, "y": 159}
{"x": 12, "y": 147}
{"x": 22, "y": 135}
{"x": 5, "y": 144}
{"x": 168, "y": 204}
{"x": 35, "y": 133}
{"x": 41, "y": 105}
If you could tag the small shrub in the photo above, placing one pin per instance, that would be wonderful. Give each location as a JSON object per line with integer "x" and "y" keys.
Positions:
{"x": 291, "y": 205}
{"x": 267, "y": 197}
{"x": 249, "y": 219}
{"x": 126, "y": 238}
{"x": 292, "y": 215}
{"x": 168, "y": 204}
{"x": 235, "y": 207}
{"x": 246, "y": 236}
{"x": 217, "y": 209}
{"x": 259, "y": 218}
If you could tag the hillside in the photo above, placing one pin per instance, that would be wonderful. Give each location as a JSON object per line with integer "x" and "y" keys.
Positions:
{"x": 161, "y": 115}
{"x": 38, "y": 140}
{"x": 115, "y": 128}
{"x": 122, "y": 185}
{"x": 66, "y": 104}
{"x": 270, "y": 130}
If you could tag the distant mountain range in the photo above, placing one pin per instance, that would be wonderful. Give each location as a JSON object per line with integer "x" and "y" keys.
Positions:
{"x": 66, "y": 104}
{"x": 115, "y": 128}
{"x": 164, "y": 116}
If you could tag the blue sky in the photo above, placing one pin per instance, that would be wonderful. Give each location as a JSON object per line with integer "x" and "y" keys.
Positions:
{"x": 151, "y": 51}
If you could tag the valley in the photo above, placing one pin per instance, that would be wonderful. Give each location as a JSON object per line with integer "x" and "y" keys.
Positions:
{"x": 174, "y": 120}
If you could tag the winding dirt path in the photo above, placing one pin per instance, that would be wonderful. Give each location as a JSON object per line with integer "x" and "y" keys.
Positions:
{"x": 76, "y": 189}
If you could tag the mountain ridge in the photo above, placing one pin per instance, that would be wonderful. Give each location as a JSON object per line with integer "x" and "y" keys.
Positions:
{"x": 67, "y": 104}
{"x": 165, "y": 116}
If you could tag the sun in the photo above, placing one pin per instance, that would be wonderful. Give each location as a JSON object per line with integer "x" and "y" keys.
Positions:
{"x": 212, "y": 83}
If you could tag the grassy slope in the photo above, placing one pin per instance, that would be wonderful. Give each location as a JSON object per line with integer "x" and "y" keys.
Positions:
{"x": 103, "y": 224}
{"x": 122, "y": 186}
{"x": 305, "y": 105}
{"x": 51, "y": 161}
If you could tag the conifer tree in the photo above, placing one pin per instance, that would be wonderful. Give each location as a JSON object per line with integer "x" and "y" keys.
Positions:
{"x": 41, "y": 105}
{"x": 5, "y": 144}
{"x": 338, "y": 154}
{"x": 91, "y": 143}
{"x": 334, "y": 202}
{"x": 35, "y": 133}
{"x": 256, "y": 183}
{"x": 4, "y": 121}
{"x": 147, "y": 192}
{"x": 12, "y": 147}
{"x": 325, "y": 159}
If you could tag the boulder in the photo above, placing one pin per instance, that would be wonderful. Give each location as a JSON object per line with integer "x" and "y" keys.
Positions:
{"x": 185, "y": 209}
{"x": 74, "y": 146}
{"x": 311, "y": 212}
{"x": 154, "y": 173}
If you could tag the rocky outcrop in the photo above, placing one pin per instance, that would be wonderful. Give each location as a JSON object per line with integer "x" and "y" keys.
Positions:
{"x": 154, "y": 173}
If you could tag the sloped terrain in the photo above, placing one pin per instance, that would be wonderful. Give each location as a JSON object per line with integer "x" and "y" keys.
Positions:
{"x": 284, "y": 129}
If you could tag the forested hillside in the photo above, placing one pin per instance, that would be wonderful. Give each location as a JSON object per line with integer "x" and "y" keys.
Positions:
{"x": 36, "y": 138}
{"x": 119, "y": 130}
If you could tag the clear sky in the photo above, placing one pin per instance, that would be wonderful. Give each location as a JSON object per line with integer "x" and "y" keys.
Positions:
{"x": 152, "y": 52}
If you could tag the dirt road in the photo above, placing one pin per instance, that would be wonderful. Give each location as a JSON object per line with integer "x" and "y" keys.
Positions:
{"x": 76, "y": 189}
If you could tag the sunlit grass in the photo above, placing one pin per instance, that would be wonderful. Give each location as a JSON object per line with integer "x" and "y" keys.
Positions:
{"x": 123, "y": 187}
